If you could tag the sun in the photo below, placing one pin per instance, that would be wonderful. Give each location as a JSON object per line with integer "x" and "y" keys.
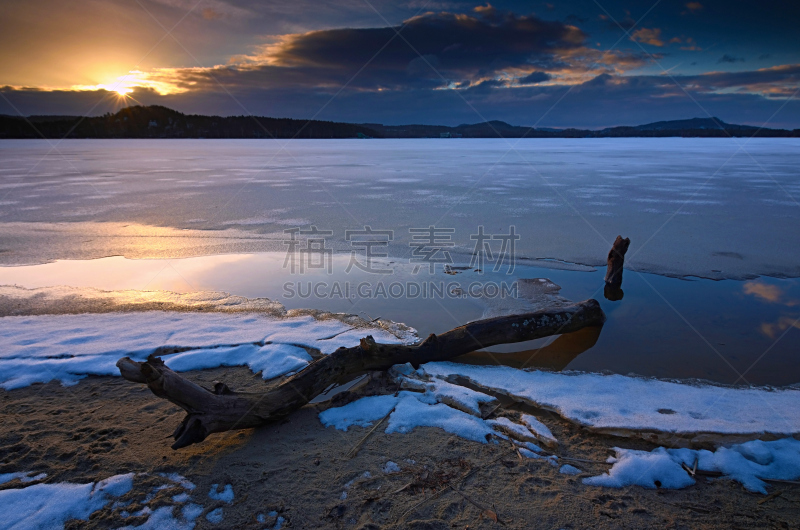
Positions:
{"x": 123, "y": 91}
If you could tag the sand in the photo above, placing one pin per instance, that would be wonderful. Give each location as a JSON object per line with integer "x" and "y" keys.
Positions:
{"x": 105, "y": 426}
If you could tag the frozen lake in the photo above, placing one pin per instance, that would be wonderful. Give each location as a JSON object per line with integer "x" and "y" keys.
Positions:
{"x": 716, "y": 208}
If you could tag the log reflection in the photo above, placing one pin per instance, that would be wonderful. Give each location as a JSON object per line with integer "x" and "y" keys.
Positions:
{"x": 553, "y": 356}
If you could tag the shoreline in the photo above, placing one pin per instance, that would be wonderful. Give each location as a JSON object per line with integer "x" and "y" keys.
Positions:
{"x": 300, "y": 470}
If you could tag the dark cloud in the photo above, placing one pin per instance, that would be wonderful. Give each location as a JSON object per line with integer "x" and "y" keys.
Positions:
{"x": 434, "y": 50}
{"x": 730, "y": 59}
{"x": 534, "y": 77}
{"x": 431, "y": 46}
{"x": 777, "y": 81}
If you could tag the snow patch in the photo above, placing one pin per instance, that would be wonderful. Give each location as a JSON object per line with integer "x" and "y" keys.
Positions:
{"x": 621, "y": 404}
{"x": 214, "y": 516}
{"x": 411, "y": 410}
{"x": 67, "y": 348}
{"x": 226, "y": 495}
{"x": 539, "y": 429}
{"x": 24, "y": 477}
{"x": 390, "y": 467}
{"x": 514, "y": 430}
{"x": 567, "y": 469}
{"x": 746, "y": 463}
{"x": 51, "y": 505}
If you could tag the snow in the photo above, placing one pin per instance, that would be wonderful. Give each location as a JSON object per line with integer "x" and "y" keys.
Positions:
{"x": 361, "y": 412}
{"x": 528, "y": 453}
{"x": 51, "y": 505}
{"x": 746, "y": 463}
{"x": 567, "y": 469}
{"x": 38, "y": 349}
{"x": 436, "y": 403}
{"x": 226, "y": 495}
{"x": 191, "y": 511}
{"x": 390, "y": 467}
{"x": 272, "y": 360}
{"x": 539, "y": 429}
{"x": 178, "y": 479}
{"x": 459, "y": 397}
{"x": 411, "y": 413}
{"x": 411, "y": 410}
{"x": 643, "y": 468}
{"x": 515, "y": 430}
{"x": 163, "y": 519}
{"x": 214, "y": 516}
{"x": 616, "y": 402}
{"x": 24, "y": 477}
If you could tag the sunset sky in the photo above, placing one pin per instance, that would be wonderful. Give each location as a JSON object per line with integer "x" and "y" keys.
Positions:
{"x": 584, "y": 63}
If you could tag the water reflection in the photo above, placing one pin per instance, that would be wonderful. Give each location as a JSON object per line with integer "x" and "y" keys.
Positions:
{"x": 553, "y": 354}
{"x": 765, "y": 292}
{"x": 664, "y": 327}
{"x": 775, "y": 330}
{"x": 613, "y": 293}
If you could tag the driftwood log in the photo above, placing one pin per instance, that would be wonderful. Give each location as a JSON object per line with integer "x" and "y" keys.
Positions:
{"x": 223, "y": 410}
{"x": 616, "y": 262}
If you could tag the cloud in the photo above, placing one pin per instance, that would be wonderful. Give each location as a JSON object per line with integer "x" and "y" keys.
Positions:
{"x": 694, "y": 7}
{"x": 534, "y": 77}
{"x": 430, "y": 51}
{"x": 432, "y": 46}
{"x": 210, "y": 14}
{"x": 750, "y": 98}
{"x": 730, "y": 59}
{"x": 648, "y": 36}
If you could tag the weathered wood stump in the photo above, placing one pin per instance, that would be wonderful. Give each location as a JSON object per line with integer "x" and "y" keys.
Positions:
{"x": 223, "y": 410}
{"x": 616, "y": 262}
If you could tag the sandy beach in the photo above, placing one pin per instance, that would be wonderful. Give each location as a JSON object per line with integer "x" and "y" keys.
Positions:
{"x": 104, "y": 426}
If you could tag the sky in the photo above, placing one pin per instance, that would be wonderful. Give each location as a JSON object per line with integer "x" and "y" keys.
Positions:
{"x": 585, "y": 63}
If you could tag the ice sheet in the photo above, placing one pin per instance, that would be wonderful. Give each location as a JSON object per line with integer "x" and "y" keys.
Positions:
{"x": 563, "y": 196}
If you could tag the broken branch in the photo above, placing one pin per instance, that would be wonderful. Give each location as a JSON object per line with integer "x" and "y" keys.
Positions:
{"x": 223, "y": 410}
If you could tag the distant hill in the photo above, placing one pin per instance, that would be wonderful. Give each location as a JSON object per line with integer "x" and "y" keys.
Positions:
{"x": 161, "y": 122}
{"x": 692, "y": 124}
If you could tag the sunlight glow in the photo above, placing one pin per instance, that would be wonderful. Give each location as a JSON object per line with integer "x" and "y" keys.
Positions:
{"x": 124, "y": 85}
{"x": 123, "y": 91}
